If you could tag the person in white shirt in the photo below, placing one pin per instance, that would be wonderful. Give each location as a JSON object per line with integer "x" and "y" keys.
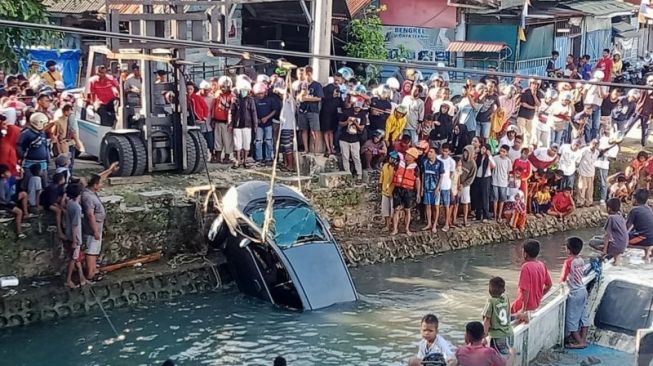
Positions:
{"x": 415, "y": 114}
{"x": 542, "y": 135}
{"x": 607, "y": 152}
{"x": 594, "y": 95}
{"x": 509, "y": 138}
{"x": 432, "y": 343}
{"x": 500, "y": 174}
{"x": 515, "y": 151}
{"x": 449, "y": 165}
{"x": 586, "y": 173}
{"x": 569, "y": 159}
{"x": 560, "y": 114}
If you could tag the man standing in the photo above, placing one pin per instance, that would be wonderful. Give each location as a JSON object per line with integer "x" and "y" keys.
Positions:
{"x": 530, "y": 101}
{"x": 51, "y": 75}
{"x": 586, "y": 173}
{"x": 102, "y": 91}
{"x": 585, "y": 68}
{"x": 569, "y": 158}
{"x": 223, "y": 134}
{"x": 309, "y": 112}
{"x": 331, "y": 104}
{"x": 8, "y": 138}
{"x": 551, "y": 70}
{"x": 415, "y": 114}
{"x": 594, "y": 95}
{"x": 643, "y": 112}
{"x": 206, "y": 127}
{"x": 500, "y": 175}
{"x": 353, "y": 121}
{"x": 605, "y": 65}
{"x": 93, "y": 223}
{"x": 489, "y": 101}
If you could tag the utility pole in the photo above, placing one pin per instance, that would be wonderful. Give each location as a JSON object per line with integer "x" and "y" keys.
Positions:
{"x": 320, "y": 43}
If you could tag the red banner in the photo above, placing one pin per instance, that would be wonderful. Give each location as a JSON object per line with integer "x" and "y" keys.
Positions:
{"x": 420, "y": 13}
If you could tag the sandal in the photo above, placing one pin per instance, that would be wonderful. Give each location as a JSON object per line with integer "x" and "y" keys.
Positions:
{"x": 22, "y": 236}
{"x": 235, "y": 166}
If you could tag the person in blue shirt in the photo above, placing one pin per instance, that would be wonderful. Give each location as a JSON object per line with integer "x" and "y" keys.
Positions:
{"x": 266, "y": 108}
{"x": 433, "y": 172}
{"x": 8, "y": 198}
{"x": 32, "y": 145}
{"x": 585, "y": 68}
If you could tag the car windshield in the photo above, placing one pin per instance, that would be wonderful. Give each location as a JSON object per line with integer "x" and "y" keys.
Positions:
{"x": 294, "y": 223}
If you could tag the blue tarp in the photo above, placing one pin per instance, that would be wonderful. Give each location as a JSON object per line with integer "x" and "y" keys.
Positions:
{"x": 67, "y": 63}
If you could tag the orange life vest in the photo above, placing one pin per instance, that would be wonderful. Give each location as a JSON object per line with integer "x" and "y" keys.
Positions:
{"x": 405, "y": 177}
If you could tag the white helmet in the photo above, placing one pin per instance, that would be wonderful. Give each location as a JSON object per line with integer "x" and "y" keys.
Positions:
{"x": 243, "y": 77}
{"x": 225, "y": 81}
{"x": 435, "y": 76}
{"x": 260, "y": 88}
{"x": 37, "y": 121}
{"x": 392, "y": 83}
{"x": 262, "y": 78}
{"x": 205, "y": 85}
{"x": 634, "y": 93}
{"x": 346, "y": 72}
{"x": 243, "y": 85}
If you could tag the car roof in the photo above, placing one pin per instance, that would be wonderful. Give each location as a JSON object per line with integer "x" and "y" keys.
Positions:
{"x": 257, "y": 190}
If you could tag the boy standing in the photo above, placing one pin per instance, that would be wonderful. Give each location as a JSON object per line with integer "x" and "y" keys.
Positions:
{"x": 500, "y": 181}
{"x": 576, "y": 319}
{"x": 407, "y": 184}
{"x": 615, "y": 239}
{"x": 386, "y": 186}
{"x": 496, "y": 316}
{"x": 74, "y": 234}
{"x": 466, "y": 180}
{"x": 534, "y": 282}
{"x": 433, "y": 175}
{"x": 449, "y": 166}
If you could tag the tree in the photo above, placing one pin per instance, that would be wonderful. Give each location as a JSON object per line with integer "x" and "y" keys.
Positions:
{"x": 366, "y": 38}
{"x": 14, "y": 41}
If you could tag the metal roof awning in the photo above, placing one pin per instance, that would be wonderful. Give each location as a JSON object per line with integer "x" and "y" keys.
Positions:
{"x": 469, "y": 46}
{"x": 600, "y": 8}
{"x": 625, "y": 30}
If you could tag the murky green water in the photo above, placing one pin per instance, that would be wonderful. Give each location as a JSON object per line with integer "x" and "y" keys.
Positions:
{"x": 227, "y": 328}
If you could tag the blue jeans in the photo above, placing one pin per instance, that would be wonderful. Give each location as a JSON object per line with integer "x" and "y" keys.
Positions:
{"x": 558, "y": 136}
{"x": 596, "y": 122}
{"x": 603, "y": 184}
{"x": 263, "y": 134}
{"x": 484, "y": 130}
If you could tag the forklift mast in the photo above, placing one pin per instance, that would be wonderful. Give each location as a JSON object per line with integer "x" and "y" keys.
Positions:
{"x": 163, "y": 114}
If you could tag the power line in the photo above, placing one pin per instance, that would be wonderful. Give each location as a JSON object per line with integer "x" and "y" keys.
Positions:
{"x": 270, "y": 51}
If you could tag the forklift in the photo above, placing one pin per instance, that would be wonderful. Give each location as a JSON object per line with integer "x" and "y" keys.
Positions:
{"x": 153, "y": 129}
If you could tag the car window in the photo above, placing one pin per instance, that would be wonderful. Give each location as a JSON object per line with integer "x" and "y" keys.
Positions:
{"x": 293, "y": 224}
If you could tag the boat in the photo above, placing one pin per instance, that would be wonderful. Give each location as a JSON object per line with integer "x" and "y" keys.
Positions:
{"x": 620, "y": 308}
{"x": 298, "y": 264}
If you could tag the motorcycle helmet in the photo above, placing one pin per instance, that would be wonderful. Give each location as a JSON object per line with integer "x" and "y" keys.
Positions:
{"x": 225, "y": 81}
{"x": 260, "y": 88}
{"x": 37, "y": 121}
{"x": 633, "y": 93}
{"x": 360, "y": 89}
{"x": 243, "y": 77}
{"x": 346, "y": 72}
{"x": 262, "y": 78}
{"x": 550, "y": 94}
{"x": 392, "y": 83}
{"x": 243, "y": 85}
{"x": 598, "y": 75}
{"x": 205, "y": 85}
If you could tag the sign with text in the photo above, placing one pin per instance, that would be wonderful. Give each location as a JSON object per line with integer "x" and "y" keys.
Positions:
{"x": 418, "y": 44}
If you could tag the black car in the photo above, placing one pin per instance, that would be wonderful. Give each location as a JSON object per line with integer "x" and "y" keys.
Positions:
{"x": 299, "y": 265}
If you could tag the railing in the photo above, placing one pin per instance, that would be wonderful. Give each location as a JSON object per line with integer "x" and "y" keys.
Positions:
{"x": 546, "y": 327}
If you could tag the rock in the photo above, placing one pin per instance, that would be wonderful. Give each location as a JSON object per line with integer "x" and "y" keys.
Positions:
{"x": 335, "y": 180}
{"x": 338, "y": 223}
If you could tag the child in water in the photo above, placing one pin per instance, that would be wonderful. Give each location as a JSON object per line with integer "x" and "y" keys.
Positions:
{"x": 432, "y": 344}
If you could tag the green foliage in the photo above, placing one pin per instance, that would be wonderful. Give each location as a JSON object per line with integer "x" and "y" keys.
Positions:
{"x": 366, "y": 38}
{"x": 402, "y": 54}
{"x": 14, "y": 41}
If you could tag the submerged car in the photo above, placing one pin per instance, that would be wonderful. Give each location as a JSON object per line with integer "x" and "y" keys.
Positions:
{"x": 298, "y": 264}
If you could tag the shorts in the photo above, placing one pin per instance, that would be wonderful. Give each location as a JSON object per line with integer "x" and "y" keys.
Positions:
{"x": 386, "y": 206}
{"x": 308, "y": 121}
{"x": 465, "y": 196}
{"x": 502, "y": 345}
{"x": 93, "y": 247}
{"x": 576, "y": 313}
{"x": 75, "y": 254}
{"x": 430, "y": 198}
{"x": 444, "y": 198}
{"x": 286, "y": 141}
{"x": 242, "y": 138}
{"x": 404, "y": 198}
{"x": 499, "y": 194}
{"x": 328, "y": 121}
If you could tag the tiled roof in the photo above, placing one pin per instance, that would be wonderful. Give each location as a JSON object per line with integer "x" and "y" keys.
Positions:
{"x": 464, "y": 46}
{"x": 73, "y": 6}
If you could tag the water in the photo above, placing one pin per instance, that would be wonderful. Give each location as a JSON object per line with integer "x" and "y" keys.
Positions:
{"x": 227, "y": 328}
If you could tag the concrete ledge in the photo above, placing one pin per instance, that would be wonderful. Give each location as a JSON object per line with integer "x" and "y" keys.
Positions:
{"x": 335, "y": 180}
{"x": 377, "y": 246}
{"x": 49, "y": 300}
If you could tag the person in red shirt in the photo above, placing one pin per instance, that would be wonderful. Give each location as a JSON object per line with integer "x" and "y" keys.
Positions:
{"x": 401, "y": 146}
{"x": 562, "y": 204}
{"x": 605, "y": 64}
{"x": 475, "y": 353}
{"x": 526, "y": 170}
{"x": 8, "y": 138}
{"x": 102, "y": 92}
{"x": 196, "y": 104}
{"x": 534, "y": 282}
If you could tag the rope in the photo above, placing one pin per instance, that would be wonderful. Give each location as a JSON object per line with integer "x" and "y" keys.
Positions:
{"x": 106, "y": 316}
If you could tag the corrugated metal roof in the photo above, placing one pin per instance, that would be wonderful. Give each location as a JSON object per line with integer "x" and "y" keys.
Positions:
{"x": 599, "y": 7}
{"x": 625, "y": 30}
{"x": 464, "y": 46}
{"x": 355, "y": 6}
{"x": 74, "y": 6}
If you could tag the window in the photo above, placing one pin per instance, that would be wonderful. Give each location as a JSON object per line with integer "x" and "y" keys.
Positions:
{"x": 293, "y": 223}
